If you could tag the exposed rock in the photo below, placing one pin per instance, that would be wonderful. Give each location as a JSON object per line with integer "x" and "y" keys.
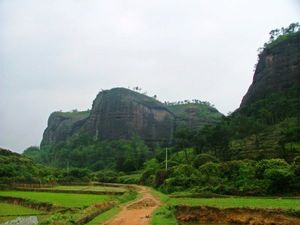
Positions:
{"x": 278, "y": 69}
{"x": 120, "y": 113}
{"x": 62, "y": 125}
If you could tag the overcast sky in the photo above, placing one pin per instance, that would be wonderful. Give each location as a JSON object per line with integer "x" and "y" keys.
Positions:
{"x": 58, "y": 54}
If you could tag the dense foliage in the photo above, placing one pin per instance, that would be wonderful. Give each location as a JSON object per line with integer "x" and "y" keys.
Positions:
{"x": 15, "y": 168}
{"x": 83, "y": 152}
{"x": 238, "y": 177}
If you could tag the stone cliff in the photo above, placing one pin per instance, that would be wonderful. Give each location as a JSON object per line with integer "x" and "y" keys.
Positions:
{"x": 120, "y": 113}
{"x": 62, "y": 125}
{"x": 278, "y": 69}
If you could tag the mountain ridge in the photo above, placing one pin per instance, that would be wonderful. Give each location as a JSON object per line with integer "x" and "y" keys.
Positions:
{"x": 120, "y": 113}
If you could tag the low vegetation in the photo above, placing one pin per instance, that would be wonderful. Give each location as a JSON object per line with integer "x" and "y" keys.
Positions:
{"x": 241, "y": 202}
{"x": 12, "y": 210}
{"x": 59, "y": 199}
{"x": 71, "y": 208}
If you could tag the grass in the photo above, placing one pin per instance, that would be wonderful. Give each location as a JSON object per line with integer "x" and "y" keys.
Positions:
{"x": 59, "y": 199}
{"x": 67, "y": 200}
{"x": 104, "y": 216}
{"x": 164, "y": 214}
{"x": 16, "y": 210}
{"x": 130, "y": 179}
{"x": 123, "y": 199}
{"x": 10, "y": 211}
{"x": 239, "y": 202}
{"x": 89, "y": 188}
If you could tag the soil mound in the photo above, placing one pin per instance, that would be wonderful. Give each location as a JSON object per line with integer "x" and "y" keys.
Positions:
{"x": 144, "y": 203}
{"x": 243, "y": 216}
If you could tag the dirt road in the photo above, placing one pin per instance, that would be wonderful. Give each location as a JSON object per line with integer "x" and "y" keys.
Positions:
{"x": 137, "y": 212}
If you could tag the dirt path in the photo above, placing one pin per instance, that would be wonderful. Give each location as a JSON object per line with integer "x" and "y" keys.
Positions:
{"x": 137, "y": 212}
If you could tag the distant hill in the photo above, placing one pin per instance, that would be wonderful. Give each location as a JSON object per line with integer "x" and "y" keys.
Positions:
{"x": 121, "y": 113}
{"x": 194, "y": 115}
{"x": 15, "y": 168}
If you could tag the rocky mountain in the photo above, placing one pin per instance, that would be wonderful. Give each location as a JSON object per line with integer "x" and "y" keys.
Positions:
{"x": 272, "y": 103}
{"x": 121, "y": 113}
{"x": 277, "y": 70}
{"x": 62, "y": 125}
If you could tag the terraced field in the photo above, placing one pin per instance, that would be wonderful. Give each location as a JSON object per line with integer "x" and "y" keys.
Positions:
{"x": 10, "y": 211}
{"x": 91, "y": 188}
{"x": 65, "y": 208}
{"x": 239, "y": 202}
{"x": 59, "y": 199}
{"x": 79, "y": 189}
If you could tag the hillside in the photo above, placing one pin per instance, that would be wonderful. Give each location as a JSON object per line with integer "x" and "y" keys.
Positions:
{"x": 16, "y": 168}
{"x": 194, "y": 115}
{"x": 256, "y": 149}
{"x": 277, "y": 69}
{"x": 121, "y": 113}
{"x": 273, "y": 102}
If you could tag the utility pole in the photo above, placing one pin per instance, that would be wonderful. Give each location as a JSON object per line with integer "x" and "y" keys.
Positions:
{"x": 166, "y": 159}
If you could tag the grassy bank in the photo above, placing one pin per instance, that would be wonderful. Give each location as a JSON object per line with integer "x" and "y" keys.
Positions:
{"x": 59, "y": 199}
{"x": 240, "y": 202}
{"x": 165, "y": 214}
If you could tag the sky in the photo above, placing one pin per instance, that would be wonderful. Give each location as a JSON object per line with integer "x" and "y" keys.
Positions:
{"x": 58, "y": 54}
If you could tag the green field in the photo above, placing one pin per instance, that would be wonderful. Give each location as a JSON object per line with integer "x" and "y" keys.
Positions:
{"x": 59, "y": 199}
{"x": 166, "y": 213}
{"x": 104, "y": 216}
{"x": 11, "y": 210}
{"x": 88, "y": 188}
{"x": 239, "y": 202}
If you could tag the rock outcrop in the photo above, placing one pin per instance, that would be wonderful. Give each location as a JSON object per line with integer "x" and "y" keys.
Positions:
{"x": 62, "y": 125}
{"x": 278, "y": 69}
{"x": 120, "y": 113}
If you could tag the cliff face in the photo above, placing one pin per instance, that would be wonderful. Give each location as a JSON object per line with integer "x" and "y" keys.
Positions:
{"x": 273, "y": 101}
{"x": 278, "y": 69}
{"x": 118, "y": 113}
{"x": 121, "y": 113}
{"x": 62, "y": 125}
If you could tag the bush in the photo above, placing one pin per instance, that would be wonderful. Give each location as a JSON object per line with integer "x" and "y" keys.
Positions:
{"x": 201, "y": 159}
